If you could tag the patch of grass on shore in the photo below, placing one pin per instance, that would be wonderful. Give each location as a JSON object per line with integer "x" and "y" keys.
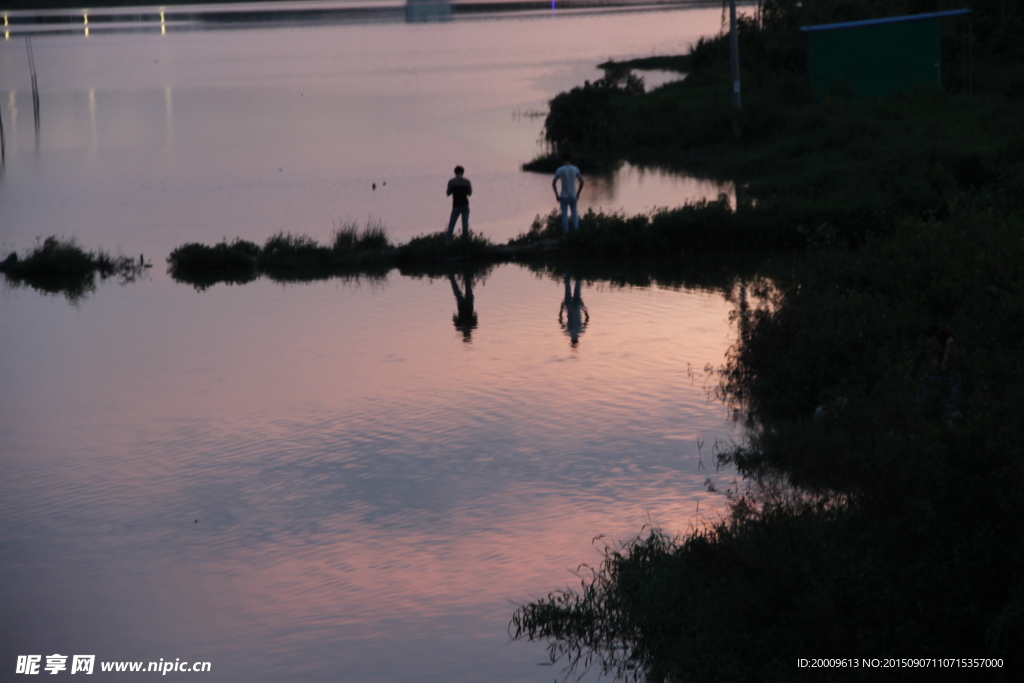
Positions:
{"x": 61, "y": 266}
{"x": 348, "y": 238}
{"x": 285, "y": 254}
{"x": 432, "y": 248}
{"x": 700, "y": 226}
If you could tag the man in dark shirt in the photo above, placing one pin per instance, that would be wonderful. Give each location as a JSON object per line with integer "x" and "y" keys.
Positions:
{"x": 465, "y": 320}
{"x": 459, "y": 189}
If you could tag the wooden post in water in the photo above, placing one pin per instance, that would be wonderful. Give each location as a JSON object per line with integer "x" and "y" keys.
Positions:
{"x": 35, "y": 82}
{"x": 734, "y": 64}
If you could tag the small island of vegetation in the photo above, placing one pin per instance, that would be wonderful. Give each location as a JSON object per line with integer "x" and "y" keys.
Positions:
{"x": 60, "y": 266}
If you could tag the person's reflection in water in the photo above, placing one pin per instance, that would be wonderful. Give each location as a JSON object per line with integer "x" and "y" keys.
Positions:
{"x": 465, "y": 318}
{"x": 573, "y": 315}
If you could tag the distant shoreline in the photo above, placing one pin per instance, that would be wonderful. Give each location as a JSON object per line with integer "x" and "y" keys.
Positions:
{"x": 26, "y": 17}
{"x": 178, "y": 15}
{"x": 34, "y": 6}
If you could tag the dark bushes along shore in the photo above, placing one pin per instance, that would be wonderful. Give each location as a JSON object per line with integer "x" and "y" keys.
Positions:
{"x": 701, "y": 226}
{"x": 650, "y": 241}
{"x": 351, "y": 252}
{"x": 284, "y": 257}
{"x": 880, "y": 377}
{"x": 841, "y": 170}
{"x": 883, "y": 510}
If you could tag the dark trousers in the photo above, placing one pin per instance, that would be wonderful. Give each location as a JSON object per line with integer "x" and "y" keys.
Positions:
{"x": 456, "y": 210}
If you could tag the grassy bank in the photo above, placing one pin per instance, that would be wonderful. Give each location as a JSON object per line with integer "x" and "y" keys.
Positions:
{"x": 700, "y": 226}
{"x": 847, "y": 168}
{"x": 61, "y": 266}
{"x": 881, "y": 385}
{"x": 889, "y": 519}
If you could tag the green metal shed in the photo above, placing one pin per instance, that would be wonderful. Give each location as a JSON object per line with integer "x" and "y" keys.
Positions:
{"x": 876, "y": 56}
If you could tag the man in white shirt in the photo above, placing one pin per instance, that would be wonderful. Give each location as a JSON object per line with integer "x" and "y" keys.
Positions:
{"x": 570, "y": 176}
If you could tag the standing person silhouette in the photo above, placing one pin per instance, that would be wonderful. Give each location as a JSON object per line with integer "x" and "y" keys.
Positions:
{"x": 465, "y": 319}
{"x": 459, "y": 189}
{"x": 573, "y": 315}
{"x": 570, "y": 176}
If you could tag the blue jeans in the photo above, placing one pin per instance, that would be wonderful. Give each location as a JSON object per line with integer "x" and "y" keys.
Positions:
{"x": 567, "y": 203}
{"x": 456, "y": 210}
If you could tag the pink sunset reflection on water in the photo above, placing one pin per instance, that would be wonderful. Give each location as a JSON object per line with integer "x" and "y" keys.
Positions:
{"x": 327, "y": 463}
{"x": 330, "y": 480}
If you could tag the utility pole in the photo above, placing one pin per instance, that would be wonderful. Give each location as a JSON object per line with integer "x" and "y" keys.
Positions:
{"x": 734, "y": 63}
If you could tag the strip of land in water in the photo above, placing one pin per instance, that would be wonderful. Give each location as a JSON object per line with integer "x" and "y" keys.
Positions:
{"x": 700, "y": 227}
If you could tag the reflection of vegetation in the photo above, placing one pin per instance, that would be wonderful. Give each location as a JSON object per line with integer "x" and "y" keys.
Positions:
{"x": 479, "y": 272}
{"x": 59, "y": 266}
{"x": 887, "y": 463}
{"x": 710, "y": 272}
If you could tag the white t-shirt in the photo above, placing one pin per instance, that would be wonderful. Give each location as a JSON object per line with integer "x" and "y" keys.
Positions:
{"x": 568, "y": 174}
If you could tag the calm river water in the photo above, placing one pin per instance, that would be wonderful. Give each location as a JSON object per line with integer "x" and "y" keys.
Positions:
{"x": 329, "y": 481}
